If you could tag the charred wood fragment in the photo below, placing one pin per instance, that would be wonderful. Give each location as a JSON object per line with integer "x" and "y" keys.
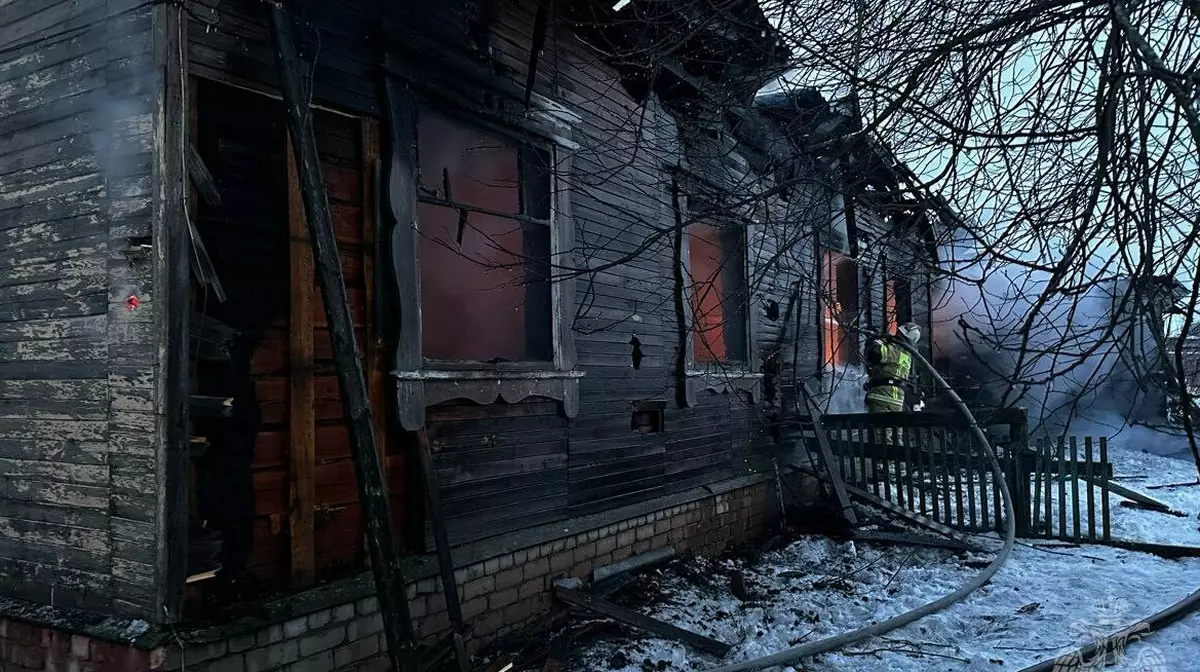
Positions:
{"x": 202, "y": 178}
{"x": 373, "y": 494}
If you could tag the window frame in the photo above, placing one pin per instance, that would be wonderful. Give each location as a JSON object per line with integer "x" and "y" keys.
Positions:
{"x": 845, "y": 347}
{"x": 522, "y": 144}
{"x": 422, "y": 382}
{"x": 717, "y": 376}
{"x": 837, "y": 244}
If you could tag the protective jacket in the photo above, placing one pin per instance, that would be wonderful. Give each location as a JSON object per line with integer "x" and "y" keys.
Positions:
{"x": 889, "y": 368}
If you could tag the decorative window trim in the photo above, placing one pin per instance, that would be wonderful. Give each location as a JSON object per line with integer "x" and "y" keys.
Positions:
{"x": 421, "y": 383}
{"x": 719, "y": 377}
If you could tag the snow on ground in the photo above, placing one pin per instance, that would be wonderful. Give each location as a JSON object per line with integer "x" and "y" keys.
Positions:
{"x": 1044, "y": 602}
{"x": 1039, "y": 604}
{"x": 1137, "y": 470}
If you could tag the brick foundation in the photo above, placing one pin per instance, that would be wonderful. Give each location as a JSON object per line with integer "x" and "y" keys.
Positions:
{"x": 501, "y": 593}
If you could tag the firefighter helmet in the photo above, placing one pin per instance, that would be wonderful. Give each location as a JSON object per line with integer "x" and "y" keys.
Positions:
{"x": 911, "y": 332}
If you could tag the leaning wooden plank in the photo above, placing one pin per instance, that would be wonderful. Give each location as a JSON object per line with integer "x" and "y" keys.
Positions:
{"x": 1162, "y": 550}
{"x": 903, "y": 539}
{"x": 301, "y": 411}
{"x": 205, "y": 184}
{"x": 1131, "y": 495}
{"x": 890, "y": 507}
{"x": 827, "y": 457}
{"x": 445, "y": 561}
{"x": 640, "y": 621}
{"x": 373, "y": 495}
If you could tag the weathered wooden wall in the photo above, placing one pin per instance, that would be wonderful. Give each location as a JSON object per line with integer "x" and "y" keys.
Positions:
{"x": 510, "y": 466}
{"x": 81, "y": 424}
{"x": 83, "y": 343}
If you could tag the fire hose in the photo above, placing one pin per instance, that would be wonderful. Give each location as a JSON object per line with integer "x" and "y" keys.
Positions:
{"x": 1086, "y": 657}
{"x": 845, "y": 639}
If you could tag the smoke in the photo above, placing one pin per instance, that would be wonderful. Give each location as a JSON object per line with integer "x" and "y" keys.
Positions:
{"x": 1082, "y": 360}
{"x": 846, "y": 394}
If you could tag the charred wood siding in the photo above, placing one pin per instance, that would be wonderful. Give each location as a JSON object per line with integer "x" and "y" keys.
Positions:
{"x": 244, "y": 477}
{"x": 80, "y": 428}
{"x": 507, "y": 466}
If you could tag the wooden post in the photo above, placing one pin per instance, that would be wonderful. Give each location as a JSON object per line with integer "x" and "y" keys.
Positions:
{"x": 1105, "y": 474}
{"x": 1047, "y": 478}
{"x": 1091, "y": 488}
{"x": 970, "y": 466}
{"x": 832, "y": 465}
{"x": 172, "y": 316}
{"x": 1062, "y": 490}
{"x": 956, "y": 442}
{"x": 1075, "y": 486}
{"x": 1039, "y": 468}
{"x": 373, "y": 496}
{"x": 301, "y": 414}
{"x": 374, "y": 340}
{"x": 442, "y": 539}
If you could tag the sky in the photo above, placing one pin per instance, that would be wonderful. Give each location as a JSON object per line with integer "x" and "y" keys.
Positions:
{"x": 1025, "y": 199}
{"x": 1037, "y": 76}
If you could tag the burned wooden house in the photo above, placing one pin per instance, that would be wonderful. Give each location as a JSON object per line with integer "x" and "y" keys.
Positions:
{"x": 578, "y": 263}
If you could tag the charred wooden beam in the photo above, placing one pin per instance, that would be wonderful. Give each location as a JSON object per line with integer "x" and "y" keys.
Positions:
{"x": 827, "y": 457}
{"x": 540, "y": 22}
{"x": 201, "y": 264}
{"x": 170, "y": 29}
{"x": 202, "y": 178}
{"x": 445, "y": 561}
{"x": 640, "y": 621}
{"x": 373, "y": 495}
{"x": 302, "y": 391}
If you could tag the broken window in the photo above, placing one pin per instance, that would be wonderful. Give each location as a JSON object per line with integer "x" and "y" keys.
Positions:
{"x": 481, "y": 213}
{"x": 484, "y": 221}
{"x": 901, "y": 301}
{"x": 717, "y": 264}
{"x": 840, "y": 309}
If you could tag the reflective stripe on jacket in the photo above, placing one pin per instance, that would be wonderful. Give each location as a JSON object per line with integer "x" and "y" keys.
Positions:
{"x": 889, "y": 363}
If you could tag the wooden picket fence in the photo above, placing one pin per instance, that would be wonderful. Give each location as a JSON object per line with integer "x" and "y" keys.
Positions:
{"x": 930, "y": 464}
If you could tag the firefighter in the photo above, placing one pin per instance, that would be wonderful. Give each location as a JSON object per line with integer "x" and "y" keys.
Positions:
{"x": 889, "y": 368}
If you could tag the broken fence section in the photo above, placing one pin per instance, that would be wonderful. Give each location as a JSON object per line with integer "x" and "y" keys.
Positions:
{"x": 927, "y": 463}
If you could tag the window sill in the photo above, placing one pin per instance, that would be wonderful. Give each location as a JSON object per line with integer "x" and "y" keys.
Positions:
{"x": 487, "y": 372}
{"x": 722, "y": 380}
{"x": 483, "y": 384}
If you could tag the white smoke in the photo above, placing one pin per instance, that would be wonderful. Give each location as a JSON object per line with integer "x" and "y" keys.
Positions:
{"x": 1079, "y": 361}
{"x": 845, "y": 390}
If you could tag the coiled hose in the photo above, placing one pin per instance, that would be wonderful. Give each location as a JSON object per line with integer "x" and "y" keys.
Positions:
{"x": 854, "y": 636}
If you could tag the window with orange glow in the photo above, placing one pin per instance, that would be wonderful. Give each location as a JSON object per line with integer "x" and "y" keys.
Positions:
{"x": 840, "y": 310}
{"x": 484, "y": 220}
{"x": 890, "y": 323}
{"x": 716, "y": 262}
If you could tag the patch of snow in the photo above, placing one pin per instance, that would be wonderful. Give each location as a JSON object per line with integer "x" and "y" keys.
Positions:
{"x": 1136, "y": 470}
{"x": 1039, "y": 605}
{"x": 135, "y": 629}
{"x": 1043, "y": 603}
